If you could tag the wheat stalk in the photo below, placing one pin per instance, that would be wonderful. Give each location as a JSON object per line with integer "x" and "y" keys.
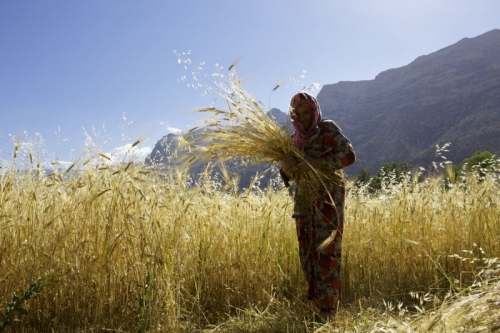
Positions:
{"x": 244, "y": 131}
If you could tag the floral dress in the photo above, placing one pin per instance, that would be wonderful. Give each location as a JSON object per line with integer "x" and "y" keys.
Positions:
{"x": 322, "y": 267}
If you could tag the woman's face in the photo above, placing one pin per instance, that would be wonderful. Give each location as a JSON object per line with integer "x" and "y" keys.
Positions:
{"x": 304, "y": 114}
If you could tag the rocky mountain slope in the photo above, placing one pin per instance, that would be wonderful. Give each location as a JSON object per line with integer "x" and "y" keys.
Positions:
{"x": 452, "y": 95}
{"x": 167, "y": 153}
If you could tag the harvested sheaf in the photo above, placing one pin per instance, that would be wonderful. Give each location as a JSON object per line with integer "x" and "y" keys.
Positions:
{"x": 477, "y": 312}
{"x": 243, "y": 131}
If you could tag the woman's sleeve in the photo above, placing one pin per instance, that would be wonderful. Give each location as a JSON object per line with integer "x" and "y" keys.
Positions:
{"x": 338, "y": 151}
{"x": 285, "y": 178}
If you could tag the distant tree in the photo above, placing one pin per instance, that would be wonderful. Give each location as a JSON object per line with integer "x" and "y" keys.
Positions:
{"x": 390, "y": 173}
{"x": 481, "y": 159}
{"x": 481, "y": 162}
{"x": 363, "y": 178}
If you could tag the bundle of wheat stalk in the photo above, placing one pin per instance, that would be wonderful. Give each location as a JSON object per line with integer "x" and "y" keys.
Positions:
{"x": 244, "y": 131}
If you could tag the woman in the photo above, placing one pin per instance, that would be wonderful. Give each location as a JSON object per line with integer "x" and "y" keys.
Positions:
{"x": 326, "y": 148}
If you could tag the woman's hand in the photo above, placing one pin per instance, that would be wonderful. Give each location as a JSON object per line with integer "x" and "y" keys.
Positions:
{"x": 288, "y": 162}
{"x": 309, "y": 163}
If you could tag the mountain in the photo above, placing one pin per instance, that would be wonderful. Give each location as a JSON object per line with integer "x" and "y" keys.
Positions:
{"x": 281, "y": 118}
{"x": 452, "y": 95}
{"x": 164, "y": 152}
{"x": 167, "y": 150}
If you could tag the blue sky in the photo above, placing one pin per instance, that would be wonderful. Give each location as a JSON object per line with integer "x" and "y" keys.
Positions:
{"x": 104, "y": 73}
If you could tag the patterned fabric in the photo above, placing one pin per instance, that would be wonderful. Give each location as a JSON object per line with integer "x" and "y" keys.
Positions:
{"x": 301, "y": 134}
{"x": 322, "y": 268}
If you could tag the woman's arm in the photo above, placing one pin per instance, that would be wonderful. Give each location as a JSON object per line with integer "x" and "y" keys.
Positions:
{"x": 338, "y": 151}
{"x": 309, "y": 162}
{"x": 287, "y": 163}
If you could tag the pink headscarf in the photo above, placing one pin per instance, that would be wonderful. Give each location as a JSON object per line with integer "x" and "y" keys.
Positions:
{"x": 301, "y": 134}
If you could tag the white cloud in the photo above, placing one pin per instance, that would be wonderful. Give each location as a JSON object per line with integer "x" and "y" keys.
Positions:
{"x": 173, "y": 130}
{"x": 128, "y": 153}
{"x": 169, "y": 129}
{"x": 121, "y": 154}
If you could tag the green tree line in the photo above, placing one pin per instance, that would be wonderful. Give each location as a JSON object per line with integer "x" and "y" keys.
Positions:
{"x": 396, "y": 172}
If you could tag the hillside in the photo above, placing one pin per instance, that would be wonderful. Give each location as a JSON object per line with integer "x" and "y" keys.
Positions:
{"x": 166, "y": 153}
{"x": 452, "y": 95}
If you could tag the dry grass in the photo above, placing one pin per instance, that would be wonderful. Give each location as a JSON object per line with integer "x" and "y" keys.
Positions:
{"x": 476, "y": 311}
{"x": 130, "y": 251}
{"x": 421, "y": 237}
